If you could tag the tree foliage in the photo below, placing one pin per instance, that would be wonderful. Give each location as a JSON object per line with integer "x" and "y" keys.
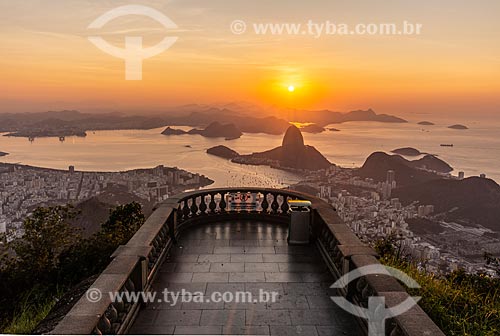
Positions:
{"x": 123, "y": 222}
{"x": 47, "y": 234}
{"x": 459, "y": 303}
{"x": 51, "y": 256}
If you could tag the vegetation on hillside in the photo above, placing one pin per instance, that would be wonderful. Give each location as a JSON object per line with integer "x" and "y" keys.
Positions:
{"x": 51, "y": 257}
{"x": 459, "y": 303}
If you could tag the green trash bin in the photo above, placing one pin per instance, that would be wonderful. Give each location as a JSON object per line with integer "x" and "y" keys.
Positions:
{"x": 300, "y": 222}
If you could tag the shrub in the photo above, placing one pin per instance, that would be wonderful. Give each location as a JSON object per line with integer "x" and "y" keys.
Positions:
{"x": 51, "y": 257}
{"x": 459, "y": 303}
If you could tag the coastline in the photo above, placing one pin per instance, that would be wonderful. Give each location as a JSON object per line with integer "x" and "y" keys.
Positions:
{"x": 110, "y": 151}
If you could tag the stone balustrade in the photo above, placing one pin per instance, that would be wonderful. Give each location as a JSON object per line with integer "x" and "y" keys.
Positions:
{"x": 134, "y": 266}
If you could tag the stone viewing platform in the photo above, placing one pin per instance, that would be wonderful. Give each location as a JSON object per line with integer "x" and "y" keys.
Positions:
{"x": 238, "y": 257}
{"x": 234, "y": 240}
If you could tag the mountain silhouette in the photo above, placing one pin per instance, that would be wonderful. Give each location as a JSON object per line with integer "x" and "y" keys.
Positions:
{"x": 214, "y": 130}
{"x": 378, "y": 163}
{"x": 474, "y": 199}
{"x": 293, "y": 153}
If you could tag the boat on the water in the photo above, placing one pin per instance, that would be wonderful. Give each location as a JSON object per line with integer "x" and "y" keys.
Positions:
{"x": 446, "y": 145}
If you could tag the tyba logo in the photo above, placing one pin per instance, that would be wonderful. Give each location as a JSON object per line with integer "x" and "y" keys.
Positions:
{"x": 133, "y": 53}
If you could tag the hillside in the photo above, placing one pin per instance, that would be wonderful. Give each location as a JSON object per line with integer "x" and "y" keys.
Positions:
{"x": 59, "y": 123}
{"x": 475, "y": 199}
{"x": 312, "y": 128}
{"x": 326, "y": 117}
{"x": 245, "y": 123}
{"x": 245, "y": 118}
{"x": 378, "y": 163}
{"x": 218, "y": 130}
{"x": 92, "y": 214}
{"x": 431, "y": 162}
{"x": 95, "y": 210}
{"x": 214, "y": 130}
{"x": 470, "y": 201}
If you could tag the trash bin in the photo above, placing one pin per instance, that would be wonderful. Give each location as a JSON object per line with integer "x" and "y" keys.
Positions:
{"x": 300, "y": 220}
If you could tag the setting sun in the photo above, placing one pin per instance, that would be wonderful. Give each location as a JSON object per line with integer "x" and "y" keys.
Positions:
{"x": 291, "y": 88}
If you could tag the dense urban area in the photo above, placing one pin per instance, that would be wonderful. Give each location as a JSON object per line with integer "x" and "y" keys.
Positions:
{"x": 364, "y": 204}
{"x": 23, "y": 188}
{"x": 370, "y": 211}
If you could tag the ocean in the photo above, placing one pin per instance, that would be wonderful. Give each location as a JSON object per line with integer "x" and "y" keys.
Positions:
{"x": 475, "y": 151}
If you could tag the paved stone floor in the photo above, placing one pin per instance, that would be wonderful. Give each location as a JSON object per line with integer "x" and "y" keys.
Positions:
{"x": 244, "y": 256}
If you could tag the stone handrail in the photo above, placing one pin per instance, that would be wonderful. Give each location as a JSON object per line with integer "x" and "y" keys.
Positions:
{"x": 132, "y": 269}
{"x": 134, "y": 266}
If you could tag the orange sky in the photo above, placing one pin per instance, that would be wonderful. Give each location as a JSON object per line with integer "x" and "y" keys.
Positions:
{"x": 452, "y": 67}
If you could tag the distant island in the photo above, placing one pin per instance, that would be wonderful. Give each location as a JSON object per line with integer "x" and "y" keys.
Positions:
{"x": 223, "y": 152}
{"x": 293, "y": 154}
{"x": 407, "y": 151}
{"x": 325, "y": 117}
{"x": 214, "y": 130}
{"x": 312, "y": 128}
{"x": 458, "y": 127}
{"x": 426, "y": 123}
{"x": 3, "y": 154}
{"x": 173, "y": 131}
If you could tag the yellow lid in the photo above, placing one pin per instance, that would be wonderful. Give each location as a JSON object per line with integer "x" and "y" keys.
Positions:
{"x": 299, "y": 203}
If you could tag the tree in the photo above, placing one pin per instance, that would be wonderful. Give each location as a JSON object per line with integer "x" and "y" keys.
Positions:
{"x": 47, "y": 234}
{"x": 51, "y": 257}
{"x": 123, "y": 223}
{"x": 28, "y": 268}
{"x": 90, "y": 256}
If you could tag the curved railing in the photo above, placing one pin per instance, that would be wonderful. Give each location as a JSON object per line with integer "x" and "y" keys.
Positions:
{"x": 215, "y": 204}
{"x": 135, "y": 265}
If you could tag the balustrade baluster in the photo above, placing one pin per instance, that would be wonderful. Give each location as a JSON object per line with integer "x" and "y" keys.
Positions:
{"x": 185, "y": 210}
{"x": 284, "y": 206}
{"x": 104, "y": 325}
{"x": 194, "y": 207}
{"x": 265, "y": 203}
{"x": 222, "y": 203}
{"x": 203, "y": 204}
{"x": 212, "y": 205}
{"x": 274, "y": 204}
{"x": 121, "y": 309}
